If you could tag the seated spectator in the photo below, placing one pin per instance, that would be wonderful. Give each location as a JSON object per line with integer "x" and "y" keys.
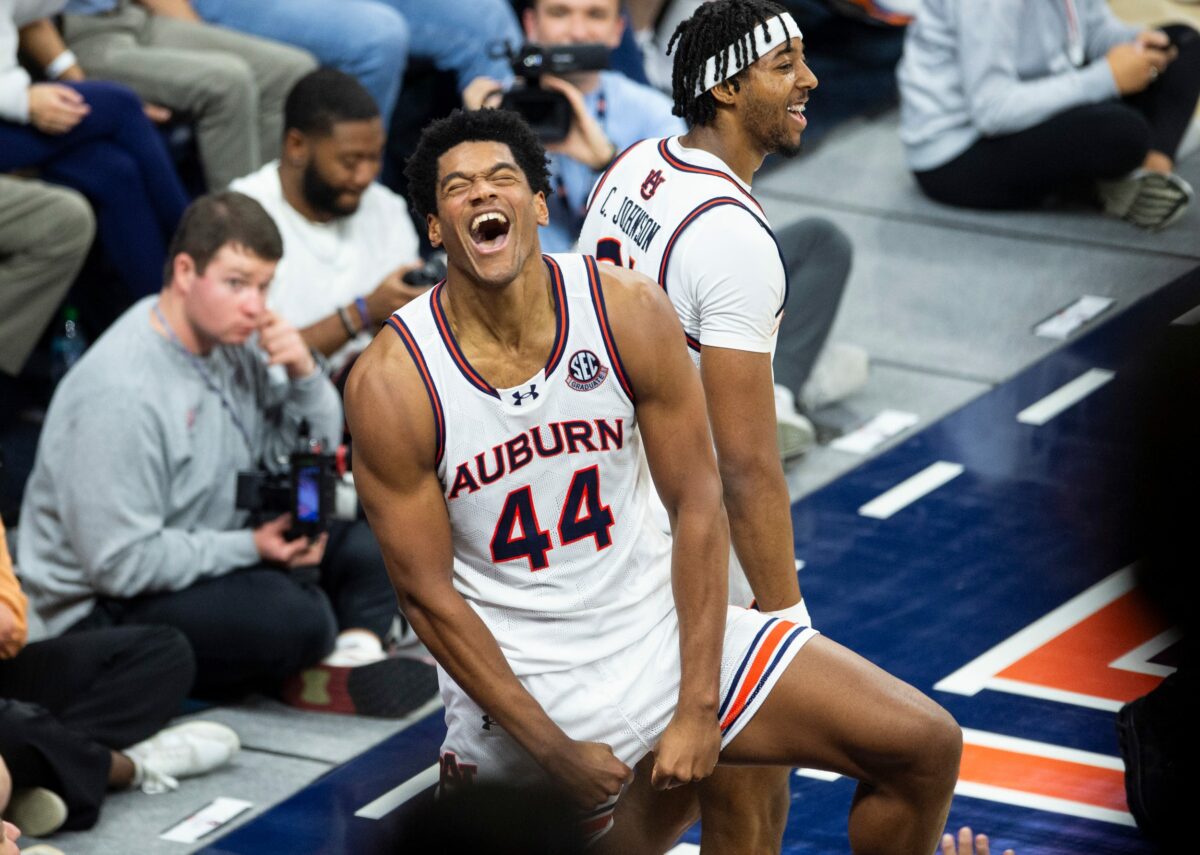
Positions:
{"x": 1006, "y": 104}
{"x": 373, "y": 39}
{"x": 129, "y": 515}
{"x": 347, "y": 240}
{"x": 45, "y": 233}
{"x": 230, "y": 85}
{"x": 79, "y": 716}
{"x": 94, "y": 138}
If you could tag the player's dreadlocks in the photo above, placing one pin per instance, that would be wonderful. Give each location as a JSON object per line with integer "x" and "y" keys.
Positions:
{"x": 713, "y": 28}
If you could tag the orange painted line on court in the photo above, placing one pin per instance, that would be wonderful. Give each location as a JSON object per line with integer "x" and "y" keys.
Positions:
{"x": 1077, "y": 660}
{"x": 1044, "y": 776}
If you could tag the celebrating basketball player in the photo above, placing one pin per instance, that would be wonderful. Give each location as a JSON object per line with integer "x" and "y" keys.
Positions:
{"x": 500, "y": 425}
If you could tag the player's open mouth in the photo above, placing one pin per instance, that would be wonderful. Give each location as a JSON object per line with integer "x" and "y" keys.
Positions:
{"x": 489, "y": 231}
{"x": 796, "y": 111}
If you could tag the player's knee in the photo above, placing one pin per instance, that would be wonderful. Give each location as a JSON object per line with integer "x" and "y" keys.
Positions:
{"x": 939, "y": 742}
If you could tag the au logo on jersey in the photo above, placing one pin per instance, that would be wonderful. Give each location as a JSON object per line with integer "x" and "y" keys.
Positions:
{"x": 650, "y": 185}
{"x": 584, "y": 371}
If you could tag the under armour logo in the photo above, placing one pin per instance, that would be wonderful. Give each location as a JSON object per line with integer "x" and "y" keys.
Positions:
{"x": 650, "y": 185}
{"x": 518, "y": 397}
{"x": 488, "y": 721}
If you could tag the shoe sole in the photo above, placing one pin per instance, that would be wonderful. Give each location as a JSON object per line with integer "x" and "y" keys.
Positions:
{"x": 36, "y": 811}
{"x": 793, "y": 441}
{"x": 389, "y": 688}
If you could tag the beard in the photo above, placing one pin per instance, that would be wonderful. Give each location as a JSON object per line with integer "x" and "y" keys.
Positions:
{"x": 322, "y": 195}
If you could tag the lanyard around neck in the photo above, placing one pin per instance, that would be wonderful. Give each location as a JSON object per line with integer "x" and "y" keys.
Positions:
{"x": 195, "y": 362}
{"x": 1075, "y": 47}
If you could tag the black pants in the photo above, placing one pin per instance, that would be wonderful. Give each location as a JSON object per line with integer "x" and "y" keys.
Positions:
{"x": 253, "y": 628}
{"x": 1075, "y": 148}
{"x": 67, "y": 703}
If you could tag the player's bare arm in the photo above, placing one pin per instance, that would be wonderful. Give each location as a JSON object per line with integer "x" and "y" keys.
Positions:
{"x": 670, "y": 410}
{"x": 740, "y": 391}
{"x": 396, "y": 479}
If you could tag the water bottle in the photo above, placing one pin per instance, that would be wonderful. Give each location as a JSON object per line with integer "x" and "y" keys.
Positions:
{"x": 67, "y": 345}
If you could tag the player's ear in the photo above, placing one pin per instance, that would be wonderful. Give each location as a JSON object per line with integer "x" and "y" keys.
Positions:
{"x": 725, "y": 92}
{"x": 541, "y": 208}
{"x": 433, "y": 229}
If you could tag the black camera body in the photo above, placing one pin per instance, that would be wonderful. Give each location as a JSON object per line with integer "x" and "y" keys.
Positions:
{"x": 430, "y": 273}
{"x": 307, "y": 489}
{"x": 549, "y": 112}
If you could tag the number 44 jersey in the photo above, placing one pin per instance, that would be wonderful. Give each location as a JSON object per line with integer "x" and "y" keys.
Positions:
{"x": 547, "y": 490}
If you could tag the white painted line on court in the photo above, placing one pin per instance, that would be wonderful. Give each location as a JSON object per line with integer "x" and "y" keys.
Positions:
{"x": 1045, "y": 693}
{"x": 1016, "y": 745}
{"x": 980, "y": 671}
{"x": 1064, "y": 398}
{"x": 1047, "y": 803}
{"x": 392, "y": 799}
{"x": 685, "y": 849}
{"x": 818, "y": 774}
{"x": 906, "y": 492}
{"x": 1138, "y": 659}
{"x": 1188, "y": 319}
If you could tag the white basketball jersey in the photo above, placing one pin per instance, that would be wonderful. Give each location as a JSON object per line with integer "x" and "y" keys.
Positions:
{"x": 644, "y": 205}
{"x": 546, "y": 486}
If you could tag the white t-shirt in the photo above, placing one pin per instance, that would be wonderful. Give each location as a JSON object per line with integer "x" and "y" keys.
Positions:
{"x": 326, "y": 265}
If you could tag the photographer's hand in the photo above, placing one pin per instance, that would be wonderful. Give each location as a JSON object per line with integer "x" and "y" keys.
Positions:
{"x": 585, "y": 141}
{"x": 285, "y": 346}
{"x": 482, "y": 92}
{"x": 274, "y": 548}
{"x": 393, "y": 292}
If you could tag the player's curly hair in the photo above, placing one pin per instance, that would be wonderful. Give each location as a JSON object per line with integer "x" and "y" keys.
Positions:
{"x": 713, "y": 28}
{"x": 502, "y": 126}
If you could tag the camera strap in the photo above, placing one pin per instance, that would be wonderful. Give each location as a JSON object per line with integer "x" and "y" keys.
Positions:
{"x": 198, "y": 365}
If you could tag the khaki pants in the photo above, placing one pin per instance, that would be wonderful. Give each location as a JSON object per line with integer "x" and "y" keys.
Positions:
{"x": 231, "y": 85}
{"x": 45, "y": 233}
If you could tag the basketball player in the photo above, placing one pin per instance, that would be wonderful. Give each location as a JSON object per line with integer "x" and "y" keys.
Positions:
{"x": 500, "y": 425}
{"x": 680, "y": 210}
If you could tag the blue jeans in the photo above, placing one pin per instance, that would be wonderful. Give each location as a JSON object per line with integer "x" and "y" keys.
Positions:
{"x": 118, "y": 161}
{"x": 373, "y": 39}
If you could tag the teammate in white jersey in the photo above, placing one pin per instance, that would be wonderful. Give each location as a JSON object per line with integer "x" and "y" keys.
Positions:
{"x": 516, "y": 548}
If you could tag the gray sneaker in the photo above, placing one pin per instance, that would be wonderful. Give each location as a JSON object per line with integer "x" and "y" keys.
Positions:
{"x": 793, "y": 431}
{"x": 1149, "y": 200}
{"x": 38, "y": 812}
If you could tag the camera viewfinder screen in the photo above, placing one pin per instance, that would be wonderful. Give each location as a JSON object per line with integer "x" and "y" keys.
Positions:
{"x": 308, "y": 494}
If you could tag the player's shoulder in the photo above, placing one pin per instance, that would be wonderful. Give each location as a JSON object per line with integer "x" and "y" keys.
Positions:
{"x": 631, "y": 298}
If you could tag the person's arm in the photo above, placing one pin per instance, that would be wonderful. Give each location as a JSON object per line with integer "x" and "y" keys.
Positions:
{"x": 678, "y": 446}
{"x": 989, "y": 32}
{"x": 1102, "y": 29}
{"x": 14, "y": 80}
{"x": 181, "y": 9}
{"x": 397, "y": 482}
{"x": 41, "y": 42}
{"x": 310, "y": 397}
{"x": 332, "y": 331}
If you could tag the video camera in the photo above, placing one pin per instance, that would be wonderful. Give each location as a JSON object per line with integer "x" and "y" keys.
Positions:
{"x": 549, "y": 112}
{"x": 312, "y": 489}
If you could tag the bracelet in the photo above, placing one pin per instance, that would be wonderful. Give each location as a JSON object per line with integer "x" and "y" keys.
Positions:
{"x": 360, "y": 303}
{"x": 59, "y": 65}
{"x": 351, "y": 332}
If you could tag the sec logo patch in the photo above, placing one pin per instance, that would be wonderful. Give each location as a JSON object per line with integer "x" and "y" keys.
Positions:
{"x": 584, "y": 371}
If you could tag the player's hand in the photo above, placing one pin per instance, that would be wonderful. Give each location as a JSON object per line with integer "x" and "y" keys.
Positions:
{"x": 1135, "y": 66}
{"x": 585, "y": 140}
{"x": 157, "y": 113}
{"x": 482, "y": 92}
{"x": 393, "y": 292}
{"x": 54, "y": 108}
{"x": 273, "y": 546}
{"x": 8, "y": 839}
{"x": 590, "y": 771}
{"x": 687, "y": 751}
{"x": 285, "y": 346}
{"x": 967, "y": 845}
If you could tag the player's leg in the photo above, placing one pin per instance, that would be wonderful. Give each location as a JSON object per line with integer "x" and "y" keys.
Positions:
{"x": 744, "y": 809}
{"x": 834, "y": 710}
{"x": 648, "y": 821}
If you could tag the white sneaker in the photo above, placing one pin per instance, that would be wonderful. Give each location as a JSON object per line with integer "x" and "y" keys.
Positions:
{"x": 840, "y": 371}
{"x": 191, "y": 748}
{"x": 793, "y": 431}
{"x": 355, "y": 647}
{"x": 1149, "y": 200}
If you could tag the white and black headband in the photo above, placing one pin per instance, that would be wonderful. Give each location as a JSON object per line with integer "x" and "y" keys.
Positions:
{"x": 780, "y": 30}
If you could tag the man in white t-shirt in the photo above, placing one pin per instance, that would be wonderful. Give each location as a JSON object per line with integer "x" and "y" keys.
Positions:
{"x": 347, "y": 240}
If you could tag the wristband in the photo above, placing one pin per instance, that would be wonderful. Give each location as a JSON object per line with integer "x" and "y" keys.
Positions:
{"x": 797, "y": 614}
{"x": 59, "y": 65}
{"x": 360, "y": 303}
{"x": 351, "y": 332}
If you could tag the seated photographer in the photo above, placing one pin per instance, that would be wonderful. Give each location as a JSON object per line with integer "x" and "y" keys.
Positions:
{"x": 609, "y": 112}
{"x": 129, "y": 515}
{"x": 347, "y": 239}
